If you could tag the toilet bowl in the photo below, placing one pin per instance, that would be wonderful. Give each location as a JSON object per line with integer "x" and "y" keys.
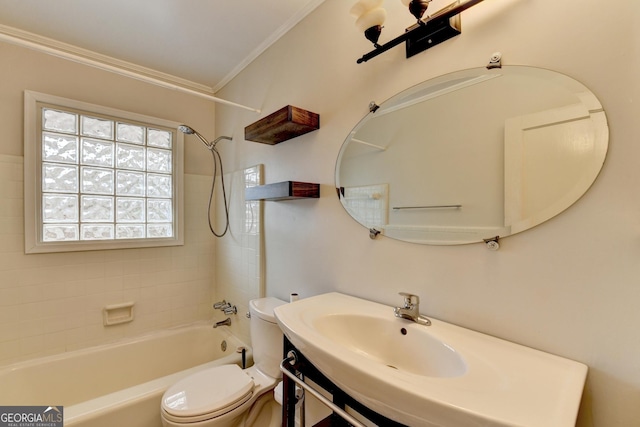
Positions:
{"x": 228, "y": 396}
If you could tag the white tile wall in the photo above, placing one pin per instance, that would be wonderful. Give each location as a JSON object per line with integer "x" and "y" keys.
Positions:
{"x": 51, "y": 303}
{"x": 239, "y": 262}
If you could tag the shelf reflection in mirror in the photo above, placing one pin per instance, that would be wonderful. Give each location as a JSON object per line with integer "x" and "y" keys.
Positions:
{"x": 508, "y": 148}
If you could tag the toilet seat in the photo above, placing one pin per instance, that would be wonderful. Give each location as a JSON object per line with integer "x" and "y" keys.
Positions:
{"x": 207, "y": 394}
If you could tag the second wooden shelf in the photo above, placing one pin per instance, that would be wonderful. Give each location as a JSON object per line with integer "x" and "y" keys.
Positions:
{"x": 286, "y": 190}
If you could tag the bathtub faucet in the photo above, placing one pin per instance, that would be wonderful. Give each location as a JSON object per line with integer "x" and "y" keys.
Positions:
{"x": 225, "y": 307}
{"x": 230, "y": 310}
{"x": 225, "y": 322}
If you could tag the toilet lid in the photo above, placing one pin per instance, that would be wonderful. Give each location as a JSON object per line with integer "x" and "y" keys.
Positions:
{"x": 208, "y": 391}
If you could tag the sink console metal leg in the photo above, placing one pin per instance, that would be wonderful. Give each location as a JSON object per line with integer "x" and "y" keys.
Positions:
{"x": 295, "y": 368}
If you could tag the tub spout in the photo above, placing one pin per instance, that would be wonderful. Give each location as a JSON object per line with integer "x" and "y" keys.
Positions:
{"x": 225, "y": 322}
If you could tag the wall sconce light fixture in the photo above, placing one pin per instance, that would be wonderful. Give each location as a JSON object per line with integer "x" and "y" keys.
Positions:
{"x": 369, "y": 18}
{"x": 426, "y": 33}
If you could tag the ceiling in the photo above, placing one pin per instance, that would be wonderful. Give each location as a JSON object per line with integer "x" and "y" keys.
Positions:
{"x": 206, "y": 42}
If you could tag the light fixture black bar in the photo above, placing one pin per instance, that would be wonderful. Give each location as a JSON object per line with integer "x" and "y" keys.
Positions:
{"x": 443, "y": 14}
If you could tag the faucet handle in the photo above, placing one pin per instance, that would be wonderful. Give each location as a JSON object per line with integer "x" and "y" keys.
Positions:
{"x": 230, "y": 310}
{"x": 410, "y": 299}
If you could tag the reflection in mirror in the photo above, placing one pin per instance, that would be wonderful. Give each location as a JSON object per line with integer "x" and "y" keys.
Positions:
{"x": 473, "y": 155}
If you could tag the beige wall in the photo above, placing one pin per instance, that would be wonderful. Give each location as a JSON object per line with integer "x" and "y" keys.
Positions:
{"x": 569, "y": 286}
{"x": 52, "y": 303}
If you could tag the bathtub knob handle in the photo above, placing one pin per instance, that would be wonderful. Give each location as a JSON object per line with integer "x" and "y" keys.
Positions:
{"x": 219, "y": 304}
{"x": 230, "y": 310}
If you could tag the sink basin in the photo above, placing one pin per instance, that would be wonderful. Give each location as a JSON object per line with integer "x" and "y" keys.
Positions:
{"x": 438, "y": 375}
{"x": 388, "y": 341}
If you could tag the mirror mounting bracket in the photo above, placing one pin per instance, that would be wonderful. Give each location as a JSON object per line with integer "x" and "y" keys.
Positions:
{"x": 492, "y": 243}
{"x": 495, "y": 61}
{"x": 373, "y": 233}
{"x": 373, "y": 107}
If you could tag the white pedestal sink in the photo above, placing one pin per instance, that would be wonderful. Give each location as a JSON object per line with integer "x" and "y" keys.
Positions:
{"x": 438, "y": 375}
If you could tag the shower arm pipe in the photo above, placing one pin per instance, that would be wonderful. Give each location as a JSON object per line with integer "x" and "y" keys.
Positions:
{"x": 82, "y": 59}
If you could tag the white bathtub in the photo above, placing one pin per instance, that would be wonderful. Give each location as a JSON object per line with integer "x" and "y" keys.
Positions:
{"x": 119, "y": 384}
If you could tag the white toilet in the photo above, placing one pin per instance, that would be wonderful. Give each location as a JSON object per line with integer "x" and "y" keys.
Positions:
{"x": 228, "y": 396}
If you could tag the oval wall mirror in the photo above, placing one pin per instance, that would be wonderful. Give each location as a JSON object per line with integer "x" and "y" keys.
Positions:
{"x": 472, "y": 155}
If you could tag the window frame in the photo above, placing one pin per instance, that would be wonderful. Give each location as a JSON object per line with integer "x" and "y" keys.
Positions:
{"x": 33, "y": 215}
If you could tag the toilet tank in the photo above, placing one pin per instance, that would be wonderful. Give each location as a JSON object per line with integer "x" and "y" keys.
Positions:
{"x": 266, "y": 336}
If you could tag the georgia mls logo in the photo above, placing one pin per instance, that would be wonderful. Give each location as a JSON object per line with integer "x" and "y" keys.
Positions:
{"x": 31, "y": 416}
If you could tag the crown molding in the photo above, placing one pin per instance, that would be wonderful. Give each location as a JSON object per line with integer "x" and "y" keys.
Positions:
{"x": 94, "y": 59}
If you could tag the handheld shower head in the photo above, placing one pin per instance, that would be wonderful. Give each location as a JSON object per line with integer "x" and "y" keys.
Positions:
{"x": 188, "y": 130}
{"x": 217, "y": 160}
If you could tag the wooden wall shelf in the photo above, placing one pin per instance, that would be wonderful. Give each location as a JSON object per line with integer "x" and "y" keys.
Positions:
{"x": 286, "y": 123}
{"x": 286, "y": 190}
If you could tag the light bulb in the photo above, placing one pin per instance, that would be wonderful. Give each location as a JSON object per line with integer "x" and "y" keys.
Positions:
{"x": 372, "y": 18}
{"x": 363, "y": 6}
{"x": 416, "y": 7}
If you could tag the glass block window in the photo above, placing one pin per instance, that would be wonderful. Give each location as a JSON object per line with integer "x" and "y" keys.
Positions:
{"x": 102, "y": 178}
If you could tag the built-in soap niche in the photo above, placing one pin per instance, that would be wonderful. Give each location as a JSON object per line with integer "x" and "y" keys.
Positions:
{"x": 117, "y": 314}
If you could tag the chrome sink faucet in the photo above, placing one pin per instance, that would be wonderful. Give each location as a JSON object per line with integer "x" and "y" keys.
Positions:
{"x": 411, "y": 309}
